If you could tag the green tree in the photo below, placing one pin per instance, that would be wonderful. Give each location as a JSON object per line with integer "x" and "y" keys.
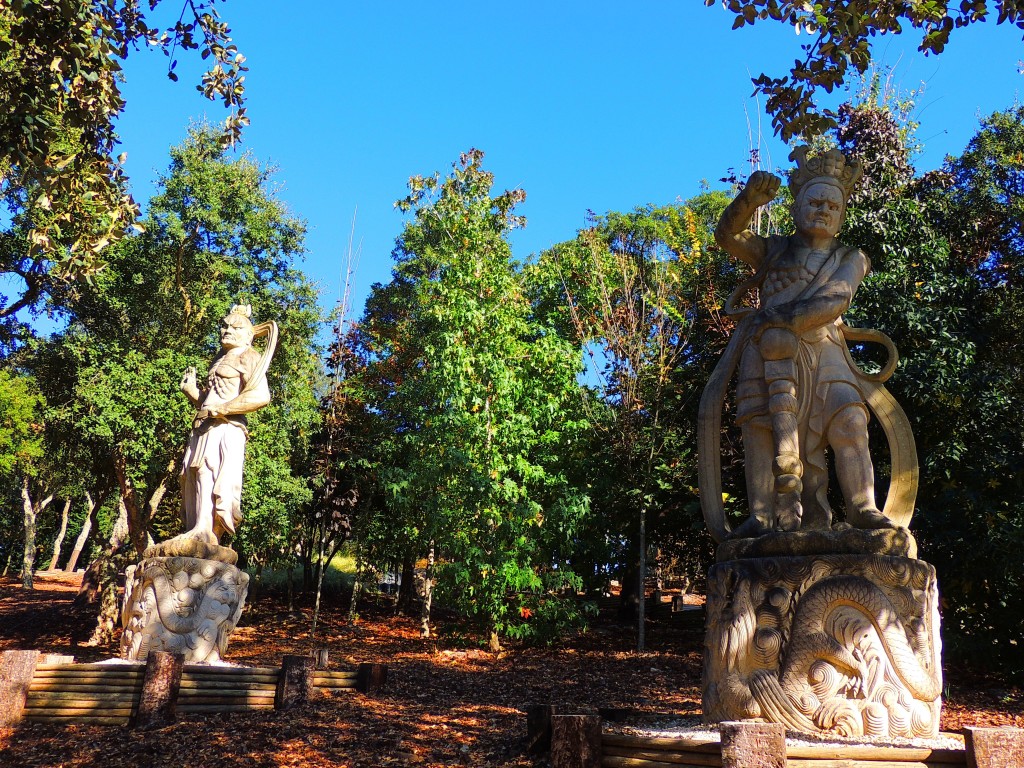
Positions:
{"x": 22, "y": 454}
{"x": 215, "y": 235}
{"x": 60, "y": 75}
{"x": 840, "y": 34}
{"x": 945, "y": 286}
{"x": 642, "y": 292}
{"x": 477, "y": 407}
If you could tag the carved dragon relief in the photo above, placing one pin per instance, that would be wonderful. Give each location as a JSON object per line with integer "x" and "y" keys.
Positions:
{"x": 182, "y": 605}
{"x": 837, "y": 644}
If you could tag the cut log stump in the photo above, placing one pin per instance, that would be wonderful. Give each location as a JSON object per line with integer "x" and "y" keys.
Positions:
{"x": 753, "y": 745}
{"x": 160, "y": 686}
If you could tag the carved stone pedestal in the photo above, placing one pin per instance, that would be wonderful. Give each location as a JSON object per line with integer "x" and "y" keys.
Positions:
{"x": 183, "y": 605}
{"x": 825, "y": 643}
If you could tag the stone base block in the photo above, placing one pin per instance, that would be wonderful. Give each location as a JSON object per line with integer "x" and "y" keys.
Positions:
{"x": 842, "y": 644}
{"x": 181, "y": 605}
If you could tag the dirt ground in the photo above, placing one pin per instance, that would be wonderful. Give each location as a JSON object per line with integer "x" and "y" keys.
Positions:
{"x": 447, "y": 703}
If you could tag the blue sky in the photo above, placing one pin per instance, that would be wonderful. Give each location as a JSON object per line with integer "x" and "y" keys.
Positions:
{"x": 597, "y": 105}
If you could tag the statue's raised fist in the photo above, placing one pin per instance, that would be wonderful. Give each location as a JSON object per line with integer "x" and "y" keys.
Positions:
{"x": 762, "y": 187}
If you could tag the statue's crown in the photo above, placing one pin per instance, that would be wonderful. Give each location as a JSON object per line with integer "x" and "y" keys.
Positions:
{"x": 243, "y": 311}
{"x": 831, "y": 167}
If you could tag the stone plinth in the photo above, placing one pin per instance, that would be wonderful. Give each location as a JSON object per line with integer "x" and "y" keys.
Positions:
{"x": 844, "y": 644}
{"x": 182, "y": 605}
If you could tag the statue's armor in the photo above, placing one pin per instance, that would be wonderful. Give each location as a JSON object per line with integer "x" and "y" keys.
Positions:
{"x": 787, "y": 273}
{"x": 827, "y": 382}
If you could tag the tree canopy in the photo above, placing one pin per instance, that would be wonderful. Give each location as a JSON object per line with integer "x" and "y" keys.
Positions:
{"x": 60, "y": 74}
{"x": 840, "y": 35}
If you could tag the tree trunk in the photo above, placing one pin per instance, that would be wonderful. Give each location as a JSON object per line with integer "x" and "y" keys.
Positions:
{"x": 325, "y": 557}
{"x": 357, "y": 586}
{"x": 31, "y": 513}
{"x": 83, "y": 535}
{"x": 109, "y": 566}
{"x": 138, "y": 514}
{"x": 628, "y": 588}
{"x": 100, "y": 582}
{"x": 60, "y": 534}
{"x": 659, "y": 578}
{"x": 28, "y": 560}
{"x": 407, "y": 585}
{"x": 93, "y": 581}
{"x": 641, "y": 606}
{"x": 428, "y": 594}
{"x": 291, "y": 589}
{"x": 7, "y": 567}
{"x": 307, "y": 572}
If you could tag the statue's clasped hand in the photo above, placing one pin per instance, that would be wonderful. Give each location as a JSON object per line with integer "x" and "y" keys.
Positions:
{"x": 211, "y": 413}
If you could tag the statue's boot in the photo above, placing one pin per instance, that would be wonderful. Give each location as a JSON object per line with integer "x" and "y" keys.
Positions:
{"x": 869, "y": 517}
{"x": 751, "y": 528}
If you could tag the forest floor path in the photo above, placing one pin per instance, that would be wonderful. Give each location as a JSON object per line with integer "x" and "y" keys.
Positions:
{"x": 447, "y": 702}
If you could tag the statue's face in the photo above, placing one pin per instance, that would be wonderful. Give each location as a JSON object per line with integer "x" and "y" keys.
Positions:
{"x": 235, "y": 332}
{"x": 819, "y": 210}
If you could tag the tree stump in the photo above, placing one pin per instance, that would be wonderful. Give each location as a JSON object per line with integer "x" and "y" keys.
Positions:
{"x": 320, "y": 658}
{"x": 994, "y": 747}
{"x": 16, "y": 671}
{"x": 538, "y": 728}
{"x": 371, "y": 677}
{"x": 160, "y": 685}
{"x": 753, "y": 745}
{"x": 295, "y": 684}
{"x": 576, "y": 741}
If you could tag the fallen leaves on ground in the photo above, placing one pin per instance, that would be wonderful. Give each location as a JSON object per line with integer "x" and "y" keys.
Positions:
{"x": 446, "y": 703}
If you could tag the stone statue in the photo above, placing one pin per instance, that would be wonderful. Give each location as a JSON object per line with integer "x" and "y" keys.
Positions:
{"x": 186, "y": 595}
{"x": 827, "y": 628}
{"x": 798, "y": 390}
{"x": 211, "y": 474}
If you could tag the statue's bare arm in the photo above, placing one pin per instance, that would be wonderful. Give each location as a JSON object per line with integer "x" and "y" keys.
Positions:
{"x": 248, "y": 401}
{"x": 826, "y": 304}
{"x": 732, "y": 232}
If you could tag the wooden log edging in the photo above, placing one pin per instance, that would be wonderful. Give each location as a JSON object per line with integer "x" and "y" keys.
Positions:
{"x": 226, "y": 689}
{"x": 707, "y": 752}
{"x": 626, "y": 751}
{"x": 115, "y": 694}
{"x": 573, "y": 734}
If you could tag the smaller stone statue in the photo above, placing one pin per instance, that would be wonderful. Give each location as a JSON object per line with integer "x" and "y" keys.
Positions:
{"x": 211, "y": 474}
{"x": 186, "y": 595}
